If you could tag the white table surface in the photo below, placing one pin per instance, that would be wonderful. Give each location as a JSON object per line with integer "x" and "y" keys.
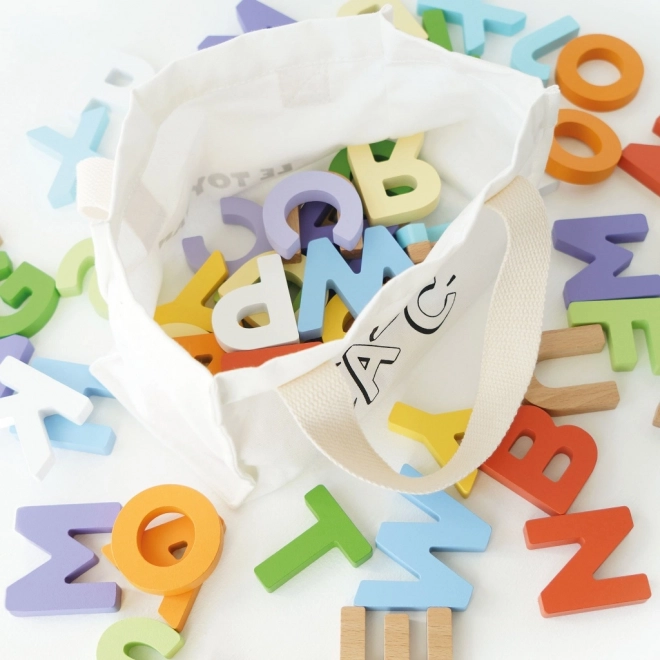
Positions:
{"x": 45, "y": 49}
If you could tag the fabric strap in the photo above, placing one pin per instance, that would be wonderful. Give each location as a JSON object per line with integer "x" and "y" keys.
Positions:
{"x": 94, "y": 176}
{"x": 322, "y": 404}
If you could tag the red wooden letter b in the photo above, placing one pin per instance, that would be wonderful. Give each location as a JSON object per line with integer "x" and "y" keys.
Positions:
{"x": 525, "y": 476}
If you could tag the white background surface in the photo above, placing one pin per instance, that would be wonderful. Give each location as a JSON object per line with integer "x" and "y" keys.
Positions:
{"x": 45, "y": 49}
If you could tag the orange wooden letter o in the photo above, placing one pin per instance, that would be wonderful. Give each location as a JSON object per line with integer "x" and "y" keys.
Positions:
{"x": 597, "y": 135}
{"x": 600, "y": 98}
{"x": 194, "y": 567}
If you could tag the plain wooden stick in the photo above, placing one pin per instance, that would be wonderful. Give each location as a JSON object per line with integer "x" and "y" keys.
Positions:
{"x": 575, "y": 399}
{"x": 419, "y": 251}
{"x": 397, "y": 637}
{"x": 439, "y": 634}
{"x": 353, "y": 640}
{"x": 570, "y": 342}
{"x": 656, "y": 417}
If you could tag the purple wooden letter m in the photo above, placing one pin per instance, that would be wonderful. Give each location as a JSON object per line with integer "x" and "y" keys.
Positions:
{"x": 48, "y": 589}
{"x": 595, "y": 240}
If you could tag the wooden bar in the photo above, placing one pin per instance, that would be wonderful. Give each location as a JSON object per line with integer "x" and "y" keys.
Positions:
{"x": 397, "y": 637}
{"x": 656, "y": 417}
{"x": 353, "y": 640}
{"x": 419, "y": 251}
{"x": 575, "y": 399}
{"x": 439, "y": 634}
{"x": 570, "y": 342}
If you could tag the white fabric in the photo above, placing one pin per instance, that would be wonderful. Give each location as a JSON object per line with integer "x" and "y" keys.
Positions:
{"x": 94, "y": 187}
{"x": 302, "y": 92}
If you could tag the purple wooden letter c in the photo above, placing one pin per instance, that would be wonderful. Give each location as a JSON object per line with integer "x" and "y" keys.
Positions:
{"x": 304, "y": 187}
{"x": 235, "y": 211}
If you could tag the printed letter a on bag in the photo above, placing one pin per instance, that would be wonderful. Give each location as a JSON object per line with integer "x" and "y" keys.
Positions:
{"x": 363, "y": 361}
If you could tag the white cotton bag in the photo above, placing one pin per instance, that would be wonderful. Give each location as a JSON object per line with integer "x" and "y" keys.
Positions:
{"x": 234, "y": 118}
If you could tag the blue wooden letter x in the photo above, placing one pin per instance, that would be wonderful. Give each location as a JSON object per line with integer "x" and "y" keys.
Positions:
{"x": 71, "y": 151}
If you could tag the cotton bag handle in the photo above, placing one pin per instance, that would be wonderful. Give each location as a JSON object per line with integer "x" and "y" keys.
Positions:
{"x": 322, "y": 404}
